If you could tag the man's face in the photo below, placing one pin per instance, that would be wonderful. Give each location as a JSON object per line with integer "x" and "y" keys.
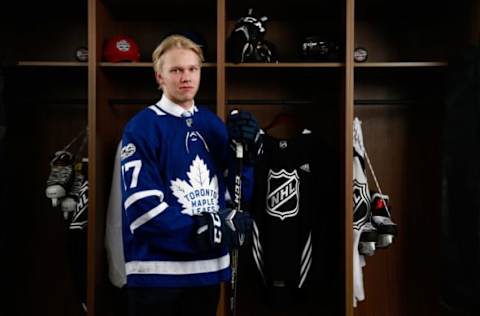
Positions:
{"x": 179, "y": 76}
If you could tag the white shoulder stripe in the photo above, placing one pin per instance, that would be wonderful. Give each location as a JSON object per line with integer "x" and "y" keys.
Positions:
{"x": 156, "y": 110}
{"x": 142, "y": 194}
{"x": 148, "y": 216}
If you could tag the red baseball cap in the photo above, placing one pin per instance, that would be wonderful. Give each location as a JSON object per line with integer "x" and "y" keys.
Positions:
{"x": 120, "y": 48}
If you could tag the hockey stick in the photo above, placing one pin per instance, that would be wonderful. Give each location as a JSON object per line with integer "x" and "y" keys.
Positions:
{"x": 237, "y": 202}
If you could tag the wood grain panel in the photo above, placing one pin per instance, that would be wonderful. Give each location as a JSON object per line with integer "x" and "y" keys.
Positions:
{"x": 403, "y": 146}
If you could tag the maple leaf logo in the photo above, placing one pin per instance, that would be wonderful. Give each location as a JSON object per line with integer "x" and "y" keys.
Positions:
{"x": 200, "y": 193}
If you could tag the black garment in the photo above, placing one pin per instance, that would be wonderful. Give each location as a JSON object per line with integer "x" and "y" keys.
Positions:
{"x": 285, "y": 207}
{"x": 77, "y": 240}
{"x": 197, "y": 301}
{"x": 3, "y": 162}
{"x": 460, "y": 232}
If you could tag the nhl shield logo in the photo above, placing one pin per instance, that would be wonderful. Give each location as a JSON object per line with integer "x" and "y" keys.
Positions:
{"x": 361, "y": 203}
{"x": 283, "y": 194}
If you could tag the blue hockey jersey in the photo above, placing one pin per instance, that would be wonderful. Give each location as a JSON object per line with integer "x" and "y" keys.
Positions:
{"x": 172, "y": 168}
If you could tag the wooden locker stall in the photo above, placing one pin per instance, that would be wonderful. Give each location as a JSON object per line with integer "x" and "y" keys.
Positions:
{"x": 45, "y": 96}
{"x": 118, "y": 91}
{"x": 399, "y": 96}
{"x": 312, "y": 94}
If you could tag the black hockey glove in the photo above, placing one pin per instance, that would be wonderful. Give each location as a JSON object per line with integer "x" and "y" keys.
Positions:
{"x": 227, "y": 227}
{"x": 243, "y": 128}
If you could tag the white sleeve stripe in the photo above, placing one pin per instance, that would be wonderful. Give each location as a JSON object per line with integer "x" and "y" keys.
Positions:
{"x": 148, "y": 216}
{"x": 305, "y": 273}
{"x": 257, "y": 236}
{"x": 257, "y": 248}
{"x": 306, "y": 259}
{"x": 308, "y": 244}
{"x": 142, "y": 194}
{"x": 258, "y": 264}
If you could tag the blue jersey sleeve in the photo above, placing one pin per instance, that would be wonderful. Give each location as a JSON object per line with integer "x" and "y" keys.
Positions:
{"x": 147, "y": 215}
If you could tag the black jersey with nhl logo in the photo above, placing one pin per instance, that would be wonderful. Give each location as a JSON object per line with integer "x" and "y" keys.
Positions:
{"x": 282, "y": 207}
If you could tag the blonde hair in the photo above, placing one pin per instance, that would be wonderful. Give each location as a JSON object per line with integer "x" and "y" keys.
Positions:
{"x": 174, "y": 41}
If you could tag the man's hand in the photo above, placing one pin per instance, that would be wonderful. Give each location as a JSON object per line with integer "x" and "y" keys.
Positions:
{"x": 243, "y": 128}
{"x": 227, "y": 227}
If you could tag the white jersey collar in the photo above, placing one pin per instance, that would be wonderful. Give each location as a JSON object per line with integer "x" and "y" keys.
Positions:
{"x": 174, "y": 109}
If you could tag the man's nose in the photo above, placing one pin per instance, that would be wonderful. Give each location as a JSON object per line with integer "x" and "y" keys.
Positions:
{"x": 186, "y": 77}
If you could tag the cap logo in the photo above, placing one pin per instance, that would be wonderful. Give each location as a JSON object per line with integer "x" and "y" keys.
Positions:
{"x": 123, "y": 45}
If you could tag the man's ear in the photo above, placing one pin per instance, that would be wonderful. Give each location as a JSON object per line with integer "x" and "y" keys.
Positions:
{"x": 159, "y": 78}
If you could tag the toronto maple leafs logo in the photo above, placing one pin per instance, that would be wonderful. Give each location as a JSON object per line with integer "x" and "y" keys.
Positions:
{"x": 200, "y": 193}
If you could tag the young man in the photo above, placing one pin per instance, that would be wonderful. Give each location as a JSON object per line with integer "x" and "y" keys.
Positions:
{"x": 177, "y": 230}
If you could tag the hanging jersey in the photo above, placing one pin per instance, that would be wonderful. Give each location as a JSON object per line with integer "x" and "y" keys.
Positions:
{"x": 113, "y": 229}
{"x": 361, "y": 206}
{"x": 77, "y": 237}
{"x": 282, "y": 206}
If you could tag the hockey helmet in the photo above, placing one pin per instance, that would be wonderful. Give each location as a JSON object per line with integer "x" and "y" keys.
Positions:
{"x": 246, "y": 38}
{"x": 120, "y": 48}
{"x": 317, "y": 48}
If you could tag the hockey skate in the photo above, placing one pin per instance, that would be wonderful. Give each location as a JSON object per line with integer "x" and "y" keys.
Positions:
{"x": 61, "y": 176}
{"x": 382, "y": 220}
{"x": 70, "y": 202}
{"x": 368, "y": 239}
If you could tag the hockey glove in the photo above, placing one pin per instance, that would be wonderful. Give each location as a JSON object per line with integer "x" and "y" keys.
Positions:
{"x": 227, "y": 227}
{"x": 243, "y": 128}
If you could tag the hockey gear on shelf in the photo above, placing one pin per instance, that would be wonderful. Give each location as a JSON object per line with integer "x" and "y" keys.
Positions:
{"x": 81, "y": 54}
{"x": 264, "y": 52}
{"x": 316, "y": 48}
{"x": 61, "y": 176}
{"x": 360, "y": 54}
{"x": 246, "y": 42}
{"x": 243, "y": 129}
{"x": 121, "y": 48}
{"x": 382, "y": 220}
{"x": 228, "y": 227}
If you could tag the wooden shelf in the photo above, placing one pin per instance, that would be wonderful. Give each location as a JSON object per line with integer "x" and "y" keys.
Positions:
{"x": 401, "y": 64}
{"x": 285, "y": 65}
{"x": 141, "y": 65}
{"x": 28, "y": 63}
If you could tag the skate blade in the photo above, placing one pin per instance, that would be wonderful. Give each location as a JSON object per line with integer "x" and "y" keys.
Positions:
{"x": 384, "y": 241}
{"x": 55, "y": 192}
{"x": 69, "y": 205}
{"x": 367, "y": 248}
